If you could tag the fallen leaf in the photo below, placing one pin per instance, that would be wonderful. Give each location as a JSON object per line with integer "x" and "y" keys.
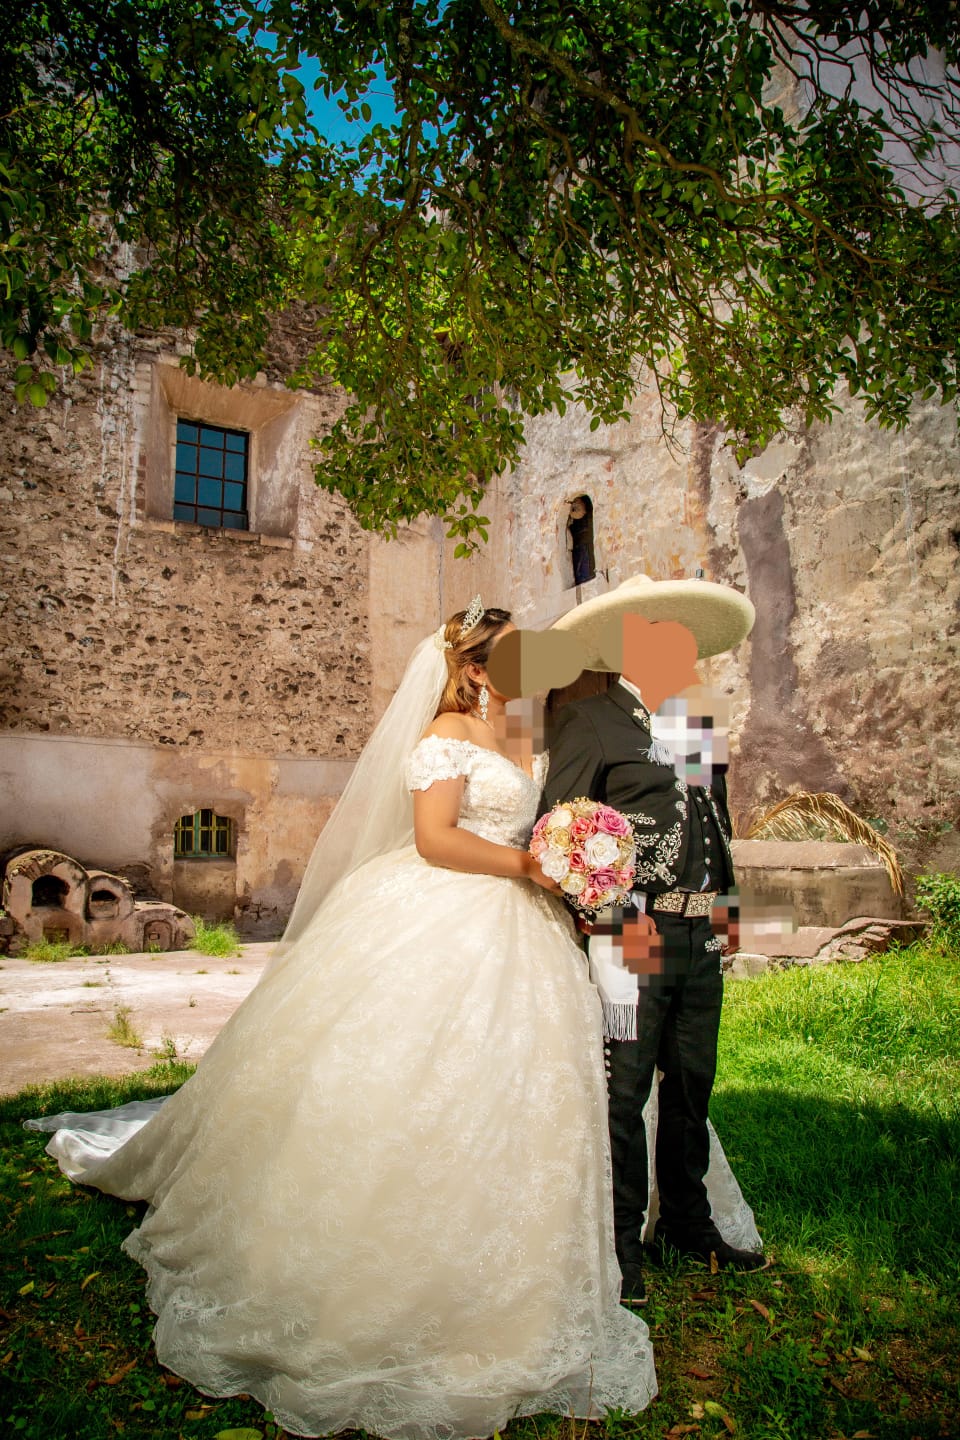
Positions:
{"x": 697, "y": 1410}
{"x": 714, "y": 1263}
{"x": 92, "y": 1276}
{"x": 863, "y": 1355}
{"x": 730, "y": 1423}
{"x": 836, "y": 1384}
{"x": 49, "y": 1290}
{"x": 7, "y": 1358}
{"x": 862, "y": 1435}
{"x": 698, "y": 1373}
{"x": 676, "y": 1432}
{"x": 748, "y": 1348}
{"x": 819, "y": 1315}
{"x": 761, "y": 1309}
{"x": 702, "y": 1295}
{"x": 26, "y": 1289}
{"x": 118, "y": 1375}
{"x": 238, "y": 1435}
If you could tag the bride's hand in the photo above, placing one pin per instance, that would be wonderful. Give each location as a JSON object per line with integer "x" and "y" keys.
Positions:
{"x": 535, "y": 874}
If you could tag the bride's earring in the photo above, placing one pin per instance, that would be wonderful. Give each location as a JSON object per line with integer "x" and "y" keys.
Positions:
{"x": 483, "y": 700}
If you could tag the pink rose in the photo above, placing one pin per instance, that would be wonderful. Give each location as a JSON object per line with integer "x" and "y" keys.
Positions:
{"x": 588, "y": 897}
{"x": 610, "y": 821}
{"x": 538, "y": 845}
{"x": 605, "y": 879}
{"x": 581, "y": 828}
{"x": 578, "y": 861}
{"x": 541, "y": 824}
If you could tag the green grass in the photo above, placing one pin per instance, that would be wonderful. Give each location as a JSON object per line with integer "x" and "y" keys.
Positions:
{"x": 123, "y": 1031}
{"x": 838, "y": 1104}
{"x": 49, "y": 952}
{"x": 218, "y": 940}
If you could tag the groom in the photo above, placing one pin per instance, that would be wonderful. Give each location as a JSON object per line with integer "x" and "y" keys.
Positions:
{"x": 662, "y": 995}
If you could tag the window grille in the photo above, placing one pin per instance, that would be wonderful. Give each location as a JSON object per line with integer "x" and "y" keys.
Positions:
{"x": 204, "y": 835}
{"x": 210, "y": 487}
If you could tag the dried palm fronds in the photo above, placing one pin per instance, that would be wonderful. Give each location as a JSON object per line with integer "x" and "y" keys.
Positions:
{"x": 822, "y": 816}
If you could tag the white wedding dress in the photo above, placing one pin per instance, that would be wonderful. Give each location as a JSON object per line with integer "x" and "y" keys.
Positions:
{"x": 383, "y": 1200}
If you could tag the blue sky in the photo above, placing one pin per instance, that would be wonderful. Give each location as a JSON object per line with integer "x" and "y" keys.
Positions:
{"x": 328, "y": 115}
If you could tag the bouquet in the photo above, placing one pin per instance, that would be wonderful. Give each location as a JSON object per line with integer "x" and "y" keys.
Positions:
{"x": 588, "y": 848}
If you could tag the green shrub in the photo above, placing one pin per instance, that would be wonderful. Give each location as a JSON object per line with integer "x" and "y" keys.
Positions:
{"x": 48, "y": 952}
{"x": 217, "y": 940}
{"x": 123, "y": 1031}
{"x": 939, "y": 896}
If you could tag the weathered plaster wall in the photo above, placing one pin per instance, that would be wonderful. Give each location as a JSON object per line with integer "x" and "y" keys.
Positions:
{"x": 847, "y": 539}
{"x": 113, "y": 804}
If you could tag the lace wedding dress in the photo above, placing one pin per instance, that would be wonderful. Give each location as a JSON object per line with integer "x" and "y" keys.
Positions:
{"x": 383, "y": 1200}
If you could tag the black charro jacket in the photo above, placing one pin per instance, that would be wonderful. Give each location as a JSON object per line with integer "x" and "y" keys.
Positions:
{"x": 600, "y": 749}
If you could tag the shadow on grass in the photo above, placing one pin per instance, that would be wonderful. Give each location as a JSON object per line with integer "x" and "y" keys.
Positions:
{"x": 875, "y": 1184}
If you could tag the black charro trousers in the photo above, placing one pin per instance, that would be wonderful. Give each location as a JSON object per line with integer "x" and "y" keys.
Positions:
{"x": 678, "y": 1022}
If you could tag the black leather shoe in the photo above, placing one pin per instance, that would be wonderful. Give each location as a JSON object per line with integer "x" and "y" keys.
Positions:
{"x": 633, "y": 1291}
{"x": 706, "y": 1247}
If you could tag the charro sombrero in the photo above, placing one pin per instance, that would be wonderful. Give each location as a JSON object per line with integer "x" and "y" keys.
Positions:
{"x": 718, "y": 616}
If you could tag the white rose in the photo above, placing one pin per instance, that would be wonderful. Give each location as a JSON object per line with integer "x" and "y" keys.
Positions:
{"x": 560, "y": 820}
{"x": 601, "y": 850}
{"x": 574, "y": 883}
{"x": 554, "y": 864}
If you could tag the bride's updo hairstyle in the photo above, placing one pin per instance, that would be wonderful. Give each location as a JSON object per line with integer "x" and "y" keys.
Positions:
{"x": 460, "y": 693}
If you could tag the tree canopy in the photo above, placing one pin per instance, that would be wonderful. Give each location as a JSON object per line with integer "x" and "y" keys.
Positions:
{"x": 743, "y": 204}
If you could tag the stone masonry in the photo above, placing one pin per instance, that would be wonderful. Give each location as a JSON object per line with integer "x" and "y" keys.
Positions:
{"x": 117, "y": 622}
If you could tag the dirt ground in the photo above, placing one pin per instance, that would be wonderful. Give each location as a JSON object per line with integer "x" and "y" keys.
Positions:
{"x": 54, "y": 1018}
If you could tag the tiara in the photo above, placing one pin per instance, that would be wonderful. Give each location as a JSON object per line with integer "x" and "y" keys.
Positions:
{"x": 471, "y": 620}
{"x": 473, "y": 616}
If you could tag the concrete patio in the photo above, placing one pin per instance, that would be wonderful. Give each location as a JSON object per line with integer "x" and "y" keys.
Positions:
{"x": 54, "y": 1018}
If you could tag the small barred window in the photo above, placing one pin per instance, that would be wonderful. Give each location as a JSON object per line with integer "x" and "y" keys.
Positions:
{"x": 204, "y": 835}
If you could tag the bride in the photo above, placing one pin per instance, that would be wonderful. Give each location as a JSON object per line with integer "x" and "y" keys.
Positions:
{"x": 383, "y": 1201}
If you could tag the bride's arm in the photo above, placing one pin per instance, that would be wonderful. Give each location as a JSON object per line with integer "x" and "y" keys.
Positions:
{"x": 439, "y": 840}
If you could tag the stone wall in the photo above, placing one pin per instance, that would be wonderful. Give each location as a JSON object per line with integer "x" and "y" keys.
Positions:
{"x": 118, "y": 621}
{"x": 150, "y": 668}
{"x": 846, "y": 538}
{"x": 228, "y": 655}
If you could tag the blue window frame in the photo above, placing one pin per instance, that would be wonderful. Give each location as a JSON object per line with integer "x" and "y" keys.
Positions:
{"x": 211, "y": 476}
